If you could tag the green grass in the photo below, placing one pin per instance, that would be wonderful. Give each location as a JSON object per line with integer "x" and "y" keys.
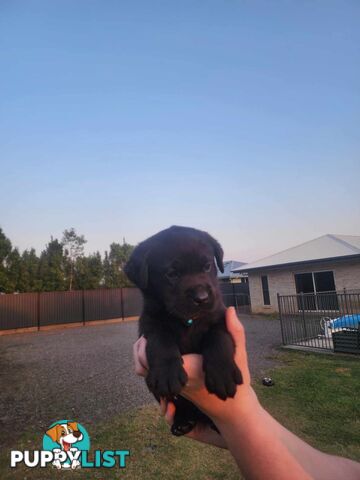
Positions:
{"x": 315, "y": 396}
{"x": 154, "y": 453}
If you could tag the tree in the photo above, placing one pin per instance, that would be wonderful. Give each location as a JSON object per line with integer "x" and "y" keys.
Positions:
{"x": 5, "y": 250}
{"x": 29, "y": 280}
{"x": 114, "y": 264}
{"x": 107, "y": 271}
{"x": 61, "y": 266}
{"x": 52, "y": 267}
{"x": 74, "y": 249}
{"x": 13, "y": 270}
{"x": 88, "y": 272}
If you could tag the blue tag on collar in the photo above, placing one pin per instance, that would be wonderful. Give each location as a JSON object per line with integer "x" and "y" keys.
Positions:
{"x": 189, "y": 322}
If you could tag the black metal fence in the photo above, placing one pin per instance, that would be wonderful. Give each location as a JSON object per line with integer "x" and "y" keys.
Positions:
{"x": 38, "y": 310}
{"x": 236, "y": 295}
{"x": 327, "y": 321}
{"x": 80, "y": 306}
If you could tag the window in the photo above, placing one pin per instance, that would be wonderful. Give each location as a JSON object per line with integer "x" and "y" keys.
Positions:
{"x": 318, "y": 289}
{"x": 316, "y": 282}
{"x": 324, "y": 281}
{"x": 304, "y": 283}
{"x": 265, "y": 289}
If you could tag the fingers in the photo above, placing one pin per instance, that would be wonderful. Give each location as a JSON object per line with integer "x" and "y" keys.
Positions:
{"x": 167, "y": 410}
{"x": 205, "y": 434}
{"x": 193, "y": 365}
{"x": 235, "y": 327}
{"x": 139, "y": 355}
{"x": 163, "y": 406}
{"x": 170, "y": 413}
{"x": 201, "y": 433}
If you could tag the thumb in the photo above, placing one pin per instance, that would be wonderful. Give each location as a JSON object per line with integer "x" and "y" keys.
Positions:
{"x": 237, "y": 331}
{"x": 235, "y": 327}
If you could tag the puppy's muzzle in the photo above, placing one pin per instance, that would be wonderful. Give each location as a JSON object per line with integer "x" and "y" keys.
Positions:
{"x": 199, "y": 295}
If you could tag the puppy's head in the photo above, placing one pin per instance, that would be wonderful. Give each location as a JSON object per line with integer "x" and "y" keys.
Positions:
{"x": 65, "y": 434}
{"x": 177, "y": 267}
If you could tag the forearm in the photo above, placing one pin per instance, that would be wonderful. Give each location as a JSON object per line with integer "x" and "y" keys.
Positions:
{"x": 258, "y": 452}
{"x": 262, "y": 447}
{"x": 272, "y": 438}
{"x": 319, "y": 465}
{"x": 247, "y": 429}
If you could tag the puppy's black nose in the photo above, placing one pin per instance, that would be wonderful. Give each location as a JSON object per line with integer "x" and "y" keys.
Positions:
{"x": 199, "y": 296}
{"x": 77, "y": 433}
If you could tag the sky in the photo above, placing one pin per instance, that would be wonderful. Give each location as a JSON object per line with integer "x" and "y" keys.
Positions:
{"x": 121, "y": 118}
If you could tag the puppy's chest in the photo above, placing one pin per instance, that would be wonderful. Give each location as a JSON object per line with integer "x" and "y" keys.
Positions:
{"x": 190, "y": 340}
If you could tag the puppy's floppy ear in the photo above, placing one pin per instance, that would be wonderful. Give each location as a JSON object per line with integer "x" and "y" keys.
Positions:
{"x": 73, "y": 425}
{"x": 218, "y": 252}
{"x": 136, "y": 268}
{"x": 53, "y": 433}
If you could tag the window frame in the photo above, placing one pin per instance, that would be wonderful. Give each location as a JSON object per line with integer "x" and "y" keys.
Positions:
{"x": 315, "y": 296}
{"x": 313, "y": 272}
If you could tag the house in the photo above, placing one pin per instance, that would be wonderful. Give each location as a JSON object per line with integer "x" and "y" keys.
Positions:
{"x": 229, "y": 276}
{"x": 326, "y": 264}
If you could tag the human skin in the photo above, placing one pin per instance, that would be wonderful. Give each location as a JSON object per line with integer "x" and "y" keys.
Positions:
{"x": 262, "y": 447}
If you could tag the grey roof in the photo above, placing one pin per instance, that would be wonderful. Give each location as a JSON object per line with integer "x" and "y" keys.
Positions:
{"x": 228, "y": 269}
{"x": 326, "y": 247}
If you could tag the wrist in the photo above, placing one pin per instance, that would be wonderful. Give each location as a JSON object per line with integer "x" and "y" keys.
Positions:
{"x": 244, "y": 407}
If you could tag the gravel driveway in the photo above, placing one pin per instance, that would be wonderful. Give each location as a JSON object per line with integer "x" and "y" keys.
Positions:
{"x": 86, "y": 373}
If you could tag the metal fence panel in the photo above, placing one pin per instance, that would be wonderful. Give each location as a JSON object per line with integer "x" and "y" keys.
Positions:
{"x": 236, "y": 295}
{"x": 320, "y": 320}
{"x": 227, "y": 288}
{"x": 132, "y": 302}
{"x": 18, "y": 311}
{"x": 60, "y": 307}
{"x": 102, "y": 304}
{"x": 52, "y": 308}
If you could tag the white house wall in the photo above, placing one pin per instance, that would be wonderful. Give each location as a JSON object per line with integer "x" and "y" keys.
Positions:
{"x": 282, "y": 281}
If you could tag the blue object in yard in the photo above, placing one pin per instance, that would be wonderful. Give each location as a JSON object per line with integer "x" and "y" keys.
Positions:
{"x": 346, "y": 321}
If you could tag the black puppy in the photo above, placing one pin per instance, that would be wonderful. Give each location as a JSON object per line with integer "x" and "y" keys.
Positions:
{"x": 183, "y": 313}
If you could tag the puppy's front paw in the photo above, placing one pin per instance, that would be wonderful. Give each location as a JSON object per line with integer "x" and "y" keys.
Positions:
{"x": 182, "y": 428}
{"x": 222, "y": 381}
{"x": 166, "y": 380}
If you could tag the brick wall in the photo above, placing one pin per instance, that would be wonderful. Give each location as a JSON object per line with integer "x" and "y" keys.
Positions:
{"x": 346, "y": 275}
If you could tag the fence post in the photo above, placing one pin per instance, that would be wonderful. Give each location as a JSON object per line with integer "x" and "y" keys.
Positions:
{"x": 303, "y": 311}
{"x": 83, "y": 307}
{"x": 122, "y": 303}
{"x": 38, "y": 311}
{"x": 280, "y": 318}
{"x": 346, "y": 302}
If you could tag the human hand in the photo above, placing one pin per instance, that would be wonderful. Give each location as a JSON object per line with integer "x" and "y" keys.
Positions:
{"x": 261, "y": 446}
{"x": 201, "y": 433}
{"x": 244, "y": 401}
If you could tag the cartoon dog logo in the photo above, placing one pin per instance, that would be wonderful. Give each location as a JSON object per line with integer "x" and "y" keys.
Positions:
{"x": 65, "y": 434}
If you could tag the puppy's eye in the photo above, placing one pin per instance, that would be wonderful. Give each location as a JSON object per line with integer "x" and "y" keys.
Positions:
{"x": 207, "y": 267}
{"x": 172, "y": 274}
